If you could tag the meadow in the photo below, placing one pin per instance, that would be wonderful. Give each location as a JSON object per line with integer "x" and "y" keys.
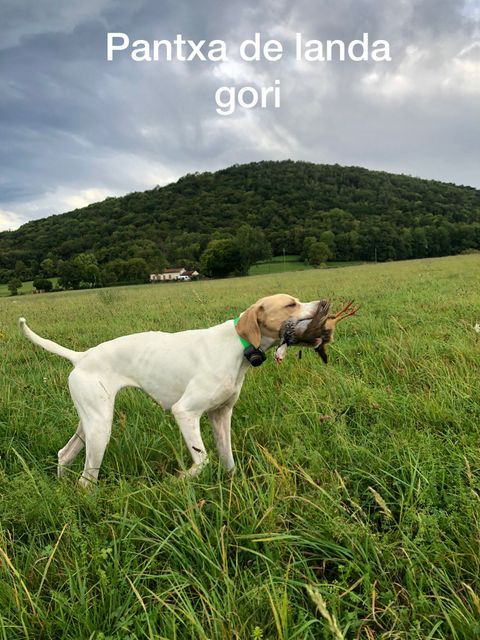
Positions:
{"x": 279, "y": 264}
{"x": 25, "y": 289}
{"x": 354, "y": 510}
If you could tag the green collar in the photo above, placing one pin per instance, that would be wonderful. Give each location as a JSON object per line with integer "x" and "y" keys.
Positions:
{"x": 242, "y": 340}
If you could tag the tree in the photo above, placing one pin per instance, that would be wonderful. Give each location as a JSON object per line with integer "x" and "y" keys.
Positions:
{"x": 307, "y": 244}
{"x": 20, "y": 269}
{"x": 114, "y": 271}
{"x": 318, "y": 253}
{"x": 137, "y": 270}
{"x": 14, "y": 285}
{"x": 253, "y": 244}
{"x": 222, "y": 258}
{"x": 47, "y": 267}
{"x": 419, "y": 243}
{"x": 109, "y": 274}
{"x": 328, "y": 238}
{"x": 70, "y": 274}
{"x": 158, "y": 264}
{"x": 83, "y": 268}
{"x": 42, "y": 284}
{"x": 88, "y": 268}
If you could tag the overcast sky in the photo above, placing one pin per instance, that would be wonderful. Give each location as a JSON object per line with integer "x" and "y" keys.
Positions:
{"x": 75, "y": 128}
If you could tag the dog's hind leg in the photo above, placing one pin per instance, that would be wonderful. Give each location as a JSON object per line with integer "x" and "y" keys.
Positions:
{"x": 70, "y": 451}
{"x": 94, "y": 398}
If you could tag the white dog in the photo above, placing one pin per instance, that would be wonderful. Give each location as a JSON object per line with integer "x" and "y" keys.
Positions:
{"x": 189, "y": 372}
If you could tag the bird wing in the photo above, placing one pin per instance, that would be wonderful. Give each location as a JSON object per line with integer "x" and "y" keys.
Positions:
{"x": 314, "y": 328}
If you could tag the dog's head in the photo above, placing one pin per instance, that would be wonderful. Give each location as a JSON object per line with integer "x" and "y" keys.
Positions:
{"x": 266, "y": 316}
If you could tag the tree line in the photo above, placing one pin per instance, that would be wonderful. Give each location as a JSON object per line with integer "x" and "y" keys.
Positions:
{"x": 222, "y": 222}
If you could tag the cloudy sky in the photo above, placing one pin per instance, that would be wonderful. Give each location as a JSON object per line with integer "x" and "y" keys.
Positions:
{"x": 75, "y": 128}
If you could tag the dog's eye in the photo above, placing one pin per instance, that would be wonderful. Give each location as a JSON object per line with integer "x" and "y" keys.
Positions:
{"x": 292, "y": 304}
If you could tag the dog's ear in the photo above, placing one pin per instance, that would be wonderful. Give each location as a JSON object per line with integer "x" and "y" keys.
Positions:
{"x": 248, "y": 326}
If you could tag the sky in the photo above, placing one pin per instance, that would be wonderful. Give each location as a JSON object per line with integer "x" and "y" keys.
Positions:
{"x": 76, "y": 128}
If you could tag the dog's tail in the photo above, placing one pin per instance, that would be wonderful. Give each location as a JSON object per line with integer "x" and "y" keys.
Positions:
{"x": 49, "y": 345}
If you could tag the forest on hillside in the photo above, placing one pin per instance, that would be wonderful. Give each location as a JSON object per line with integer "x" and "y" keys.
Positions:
{"x": 243, "y": 214}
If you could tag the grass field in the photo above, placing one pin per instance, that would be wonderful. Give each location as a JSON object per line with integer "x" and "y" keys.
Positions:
{"x": 291, "y": 263}
{"x": 26, "y": 288}
{"x": 354, "y": 512}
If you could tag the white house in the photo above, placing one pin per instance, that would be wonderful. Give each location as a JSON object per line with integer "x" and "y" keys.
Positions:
{"x": 175, "y": 273}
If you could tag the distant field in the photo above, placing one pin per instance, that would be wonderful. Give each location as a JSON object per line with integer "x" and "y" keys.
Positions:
{"x": 27, "y": 287}
{"x": 354, "y": 512}
{"x": 278, "y": 266}
{"x": 275, "y": 265}
{"x": 291, "y": 263}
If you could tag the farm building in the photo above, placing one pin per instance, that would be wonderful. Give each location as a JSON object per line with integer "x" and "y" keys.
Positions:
{"x": 174, "y": 273}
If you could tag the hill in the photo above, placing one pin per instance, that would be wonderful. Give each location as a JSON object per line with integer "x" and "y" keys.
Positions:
{"x": 356, "y": 213}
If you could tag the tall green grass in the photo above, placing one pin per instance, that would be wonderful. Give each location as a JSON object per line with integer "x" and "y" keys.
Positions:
{"x": 354, "y": 512}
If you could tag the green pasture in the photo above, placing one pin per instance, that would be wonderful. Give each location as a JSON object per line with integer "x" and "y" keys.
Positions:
{"x": 27, "y": 287}
{"x": 355, "y": 508}
{"x": 279, "y": 264}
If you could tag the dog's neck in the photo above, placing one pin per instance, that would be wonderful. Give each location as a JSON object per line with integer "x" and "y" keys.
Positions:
{"x": 266, "y": 342}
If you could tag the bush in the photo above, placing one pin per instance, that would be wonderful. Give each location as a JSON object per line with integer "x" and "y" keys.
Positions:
{"x": 42, "y": 284}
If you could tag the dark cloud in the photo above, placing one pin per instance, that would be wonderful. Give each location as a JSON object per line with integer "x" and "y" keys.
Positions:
{"x": 76, "y": 128}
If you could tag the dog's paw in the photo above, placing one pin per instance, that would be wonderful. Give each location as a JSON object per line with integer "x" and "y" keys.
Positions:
{"x": 231, "y": 471}
{"x": 193, "y": 472}
{"x": 86, "y": 484}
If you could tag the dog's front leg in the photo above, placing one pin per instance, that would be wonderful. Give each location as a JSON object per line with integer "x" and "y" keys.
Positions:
{"x": 189, "y": 423}
{"x": 221, "y": 419}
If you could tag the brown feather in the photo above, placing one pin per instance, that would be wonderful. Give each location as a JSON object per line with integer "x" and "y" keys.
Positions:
{"x": 307, "y": 331}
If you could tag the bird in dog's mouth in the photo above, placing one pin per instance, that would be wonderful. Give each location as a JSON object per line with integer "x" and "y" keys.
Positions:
{"x": 315, "y": 332}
